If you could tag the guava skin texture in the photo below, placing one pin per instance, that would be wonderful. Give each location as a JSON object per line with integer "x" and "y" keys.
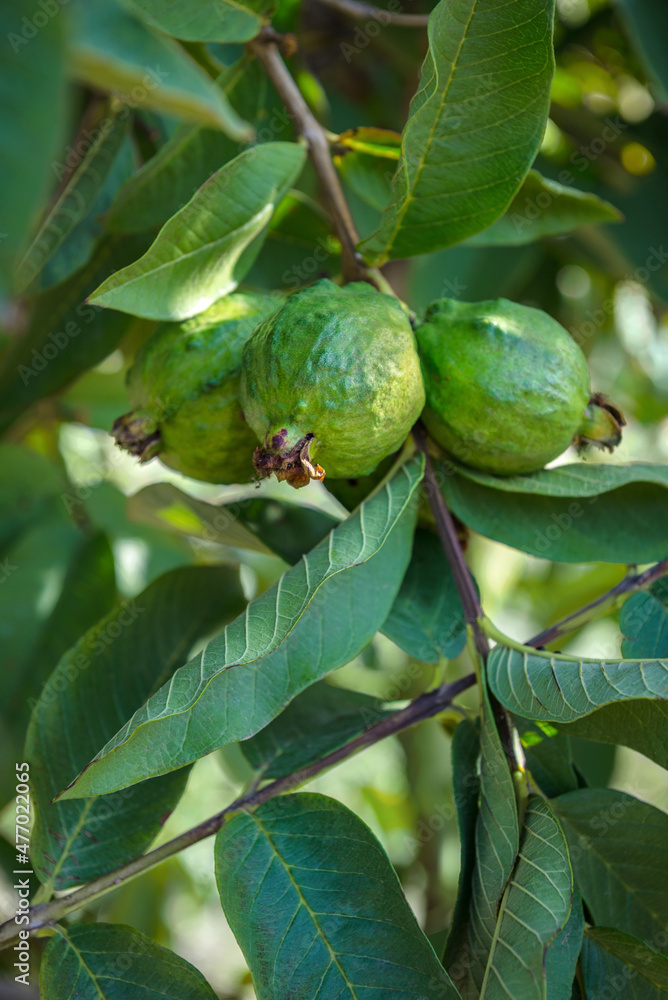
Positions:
{"x": 184, "y": 389}
{"x": 507, "y": 387}
{"x": 333, "y": 377}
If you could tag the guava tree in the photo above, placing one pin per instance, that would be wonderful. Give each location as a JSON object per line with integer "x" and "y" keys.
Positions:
{"x": 362, "y": 252}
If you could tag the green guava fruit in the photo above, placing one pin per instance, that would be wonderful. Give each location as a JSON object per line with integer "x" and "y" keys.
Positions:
{"x": 184, "y": 390}
{"x": 332, "y": 378}
{"x": 507, "y": 387}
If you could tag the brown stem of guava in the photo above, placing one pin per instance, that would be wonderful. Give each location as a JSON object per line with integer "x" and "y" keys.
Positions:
{"x": 601, "y": 424}
{"x": 294, "y": 466}
{"x": 137, "y": 434}
{"x": 265, "y": 47}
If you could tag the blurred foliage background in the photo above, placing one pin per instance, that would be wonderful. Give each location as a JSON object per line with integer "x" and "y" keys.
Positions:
{"x": 608, "y": 132}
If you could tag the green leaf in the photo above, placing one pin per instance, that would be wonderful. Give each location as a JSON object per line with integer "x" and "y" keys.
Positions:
{"x": 497, "y": 844}
{"x": 317, "y": 908}
{"x": 556, "y": 687}
{"x": 427, "y": 620}
{"x": 542, "y": 207}
{"x": 248, "y": 522}
{"x": 366, "y": 159}
{"x": 618, "y": 851}
{"x": 319, "y": 720}
{"x": 203, "y": 21}
{"x": 109, "y": 961}
{"x": 569, "y": 514}
{"x": 563, "y": 952}
{"x": 465, "y": 790}
{"x": 32, "y": 85}
{"x": 644, "y": 623}
{"x": 475, "y": 125}
{"x": 163, "y": 185}
{"x": 640, "y": 725}
{"x": 94, "y": 689}
{"x": 535, "y": 907}
{"x": 548, "y": 757}
{"x": 205, "y": 250}
{"x": 114, "y": 51}
{"x": 78, "y": 196}
{"x": 29, "y": 487}
{"x": 647, "y": 24}
{"x": 615, "y": 961}
{"x": 289, "y": 637}
{"x": 65, "y": 335}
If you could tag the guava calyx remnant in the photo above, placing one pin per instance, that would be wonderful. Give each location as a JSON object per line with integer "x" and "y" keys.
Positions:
{"x": 294, "y": 466}
{"x": 137, "y": 434}
{"x": 601, "y": 425}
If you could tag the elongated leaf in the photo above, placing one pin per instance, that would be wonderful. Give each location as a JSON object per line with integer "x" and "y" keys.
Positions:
{"x": 556, "y": 687}
{"x": 192, "y": 154}
{"x": 203, "y": 21}
{"x": 563, "y": 952}
{"x": 204, "y": 251}
{"x": 648, "y": 26}
{"x": 94, "y": 689}
{"x": 618, "y": 851}
{"x": 317, "y": 909}
{"x": 620, "y": 962}
{"x": 319, "y": 720}
{"x": 427, "y": 620}
{"x": 542, "y": 207}
{"x": 32, "y": 89}
{"x": 497, "y": 844}
{"x": 77, "y": 197}
{"x": 318, "y": 617}
{"x": 535, "y": 907}
{"x": 65, "y": 335}
{"x": 115, "y": 51}
{"x": 465, "y": 790}
{"x": 644, "y": 622}
{"x": 262, "y": 525}
{"x": 579, "y": 480}
{"x": 107, "y": 961}
{"x": 475, "y": 125}
{"x": 584, "y": 528}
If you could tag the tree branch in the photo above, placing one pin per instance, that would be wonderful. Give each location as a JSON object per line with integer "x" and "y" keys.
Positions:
{"x": 359, "y": 11}
{"x": 266, "y": 50}
{"x": 613, "y": 599}
{"x": 424, "y": 707}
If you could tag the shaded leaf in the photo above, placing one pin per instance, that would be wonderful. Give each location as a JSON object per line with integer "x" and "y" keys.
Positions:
{"x": 534, "y": 513}
{"x": 543, "y": 207}
{"x": 475, "y": 125}
{"x": 620, "y": 962}
{"x": 192, "y": 154}
{"x": 32, "y": 78}
{"x": 317, "y": 908}
{"x": 618, "y": 851}
{"x": 640, "y": 725}
{"x": 106, "y": 961}
{"x": 65, "y": 335}
{"x": 497, "y": 844}
{"x": 647, "y": 24}
{"x": 465, "y": 790}
{"x": 29, "y": 487}
{"x": 114, "y": 51}
{"x": 563, "y": 952}
{"x": 94, "y": 689}
{"x": 548, "y": 756}
{"x": 319, "y": 720}
{"x": 289, "y": 637}
{"x": 427, "y": 620}
{"x": 205, "y": 250}
{"x": 77, "y": 197}
{"x": 535, "y": 907}
{"x": 203, "y": 21}
{"x": 555, "y": 687}
{"x": 644, "y": 623}
{"x": 366, "y": 159}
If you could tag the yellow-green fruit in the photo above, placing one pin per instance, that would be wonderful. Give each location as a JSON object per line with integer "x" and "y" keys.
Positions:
{"x": 331, "y": 383}
{"x": 507, "y": 387}
{"x": 184, "y": 389}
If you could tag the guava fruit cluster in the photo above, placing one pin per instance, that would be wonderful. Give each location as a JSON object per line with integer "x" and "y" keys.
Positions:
{"x": 507, "y": 387}
{"x": 184, "y": 390}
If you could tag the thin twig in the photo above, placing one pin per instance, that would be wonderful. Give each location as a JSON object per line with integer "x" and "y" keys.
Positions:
{"x": 629, "y": 585}
{"x": 445, "y": 526}
{"x": 266, "y": 50}
{"x": 424, "y": 707}
{"x": 359, "y": 11}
